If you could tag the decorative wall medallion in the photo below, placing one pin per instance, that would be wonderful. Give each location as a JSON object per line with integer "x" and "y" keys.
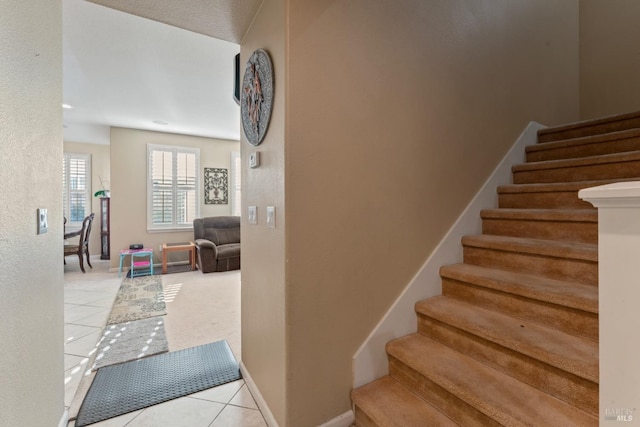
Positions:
{"x": 256, "y": 96}
{"x": 216, "y": 187}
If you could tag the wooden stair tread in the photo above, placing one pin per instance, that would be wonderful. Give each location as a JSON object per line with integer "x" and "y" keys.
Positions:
{"x": 499, "y": 396}
{"x": 390, "y": 404}
{"x": 583, "y": 140}
{"x": 597, "y": 126}
{"x": 545, "y": 187}
{"x": 551, "y": 248}
{"x": 567, "y": 352}
{"x": 628, "y": 156}
{"x": 568, "y": 294}
{"x": 574, "y": 215}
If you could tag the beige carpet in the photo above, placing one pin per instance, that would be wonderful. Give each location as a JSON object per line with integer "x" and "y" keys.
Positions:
{"x": 203, "y": 308}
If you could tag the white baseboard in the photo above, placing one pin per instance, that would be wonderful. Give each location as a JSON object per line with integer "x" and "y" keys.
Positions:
{"x": 370, "y": 361}
{"x": 255, "y": 392}
{"x": 64, "y": 420}
{"x": 342, "y": 420}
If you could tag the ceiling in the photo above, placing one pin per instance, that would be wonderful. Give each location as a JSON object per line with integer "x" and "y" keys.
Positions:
{"x": 122, "y": 69}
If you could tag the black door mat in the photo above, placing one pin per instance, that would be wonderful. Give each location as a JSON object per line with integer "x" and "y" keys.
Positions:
{"x": 127, "y": 387}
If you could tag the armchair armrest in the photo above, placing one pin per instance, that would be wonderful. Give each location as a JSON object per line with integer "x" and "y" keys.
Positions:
{"x": 204, "y": 243}
{"x": 207, "y": 254}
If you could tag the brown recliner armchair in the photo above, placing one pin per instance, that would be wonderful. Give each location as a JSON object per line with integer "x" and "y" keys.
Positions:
{"x": 217, "y": 240}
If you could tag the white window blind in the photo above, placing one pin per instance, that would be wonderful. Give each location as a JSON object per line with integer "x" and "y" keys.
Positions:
{"x": 236, "y": 184}
{"x": 173, "y": 186}
{"x": 76, "y": 195}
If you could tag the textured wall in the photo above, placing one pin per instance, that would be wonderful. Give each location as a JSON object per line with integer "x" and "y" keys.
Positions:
{"x": 263, "y": 249}
{"x": 129, "y": 187}
{"x": 609, "y": 57}
{"x": 396, "y": 114}
{"x": 31, "y": 278}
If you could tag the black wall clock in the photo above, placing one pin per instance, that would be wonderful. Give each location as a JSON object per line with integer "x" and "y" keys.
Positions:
{"x": 256, "y": 96}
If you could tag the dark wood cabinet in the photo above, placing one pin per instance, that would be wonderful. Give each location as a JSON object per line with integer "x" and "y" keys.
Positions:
{"x": 105, "y": 227}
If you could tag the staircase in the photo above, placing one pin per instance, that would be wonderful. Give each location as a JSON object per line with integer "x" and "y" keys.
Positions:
{"x": 513, "y": 339}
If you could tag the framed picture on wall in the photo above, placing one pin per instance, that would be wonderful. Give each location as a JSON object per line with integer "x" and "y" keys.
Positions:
{"x": 216, "y": 186}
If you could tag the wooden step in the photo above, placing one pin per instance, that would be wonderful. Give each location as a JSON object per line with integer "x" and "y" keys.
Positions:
{"x": 471, "y": 393}
{"x": 563, "y": 195}
{"x": 598, "y": 126}
{"x": 615, "y": 142}
{"x": 387, "y": 403}
{"x": 572, "y": 225}
{"x": 572, "y": 262}
{"x": 609, "y": 166}
{"x": 569, "y": 307}
{"x": 562, "y": 365}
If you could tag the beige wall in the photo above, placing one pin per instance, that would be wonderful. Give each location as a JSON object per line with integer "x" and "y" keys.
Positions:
{"x": 609, "y": 57}
{"x": 31, "y": 301}
{"x": 395, "y": 115}
{"x": 263, "y": 249}
{"x": 100, "y": 170}
{"x": 129, "y": 187}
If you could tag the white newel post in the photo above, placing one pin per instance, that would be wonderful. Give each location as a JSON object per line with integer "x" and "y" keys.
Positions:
{"x": 619, "y": 299}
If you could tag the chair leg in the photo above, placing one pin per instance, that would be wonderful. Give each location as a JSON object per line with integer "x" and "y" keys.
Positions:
{"x": 88, "y": 259}
{"x": 81, "y": 263}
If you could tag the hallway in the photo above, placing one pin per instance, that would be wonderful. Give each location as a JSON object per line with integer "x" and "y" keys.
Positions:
{"x": 200, "y": 309}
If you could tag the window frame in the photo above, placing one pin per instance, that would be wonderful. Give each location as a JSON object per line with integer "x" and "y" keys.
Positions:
{"x": 66, "y": 188}
{"x": 175, "y": 150}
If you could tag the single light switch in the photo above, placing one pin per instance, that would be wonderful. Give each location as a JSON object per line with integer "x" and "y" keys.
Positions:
{"x": 254, "y": 159}
{"x": 271, "y": 216}
{"x": 253, "y": 214}
{"x": 43, "y": 224}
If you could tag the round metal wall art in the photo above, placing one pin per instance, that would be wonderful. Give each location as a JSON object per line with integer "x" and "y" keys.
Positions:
{"x": 256, "y": 96}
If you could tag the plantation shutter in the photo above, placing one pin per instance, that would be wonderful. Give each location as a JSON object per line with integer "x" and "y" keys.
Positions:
{"x": 236, "y": 184}
{"x": 173, "y": 186}
{"x": 76, "y": 194}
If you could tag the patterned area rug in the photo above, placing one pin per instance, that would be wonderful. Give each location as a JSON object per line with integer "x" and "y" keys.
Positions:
{"x": 132, "y": 340}
{"x": 138, "y": 298}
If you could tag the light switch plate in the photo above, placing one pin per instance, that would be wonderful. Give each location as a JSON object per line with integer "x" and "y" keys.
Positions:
{"x": 42, "y": 220}
{"x": 253, "y": 214}
{"x": 271, "y": 216}
{"x": 254, "y": 159}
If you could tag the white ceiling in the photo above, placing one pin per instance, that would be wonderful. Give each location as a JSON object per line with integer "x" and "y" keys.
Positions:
{"x": 127, "y": 71}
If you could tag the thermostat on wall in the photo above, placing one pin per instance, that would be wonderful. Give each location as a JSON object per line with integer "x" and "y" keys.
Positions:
{"x": 254, "y": 159}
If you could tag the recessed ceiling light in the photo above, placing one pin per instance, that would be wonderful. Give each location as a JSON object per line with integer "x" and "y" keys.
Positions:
{"x": 160, "y": 122}
{"x": 67, "y": 106}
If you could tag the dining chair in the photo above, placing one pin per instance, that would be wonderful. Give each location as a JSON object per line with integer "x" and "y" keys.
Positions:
{"x": 82, "y": 248}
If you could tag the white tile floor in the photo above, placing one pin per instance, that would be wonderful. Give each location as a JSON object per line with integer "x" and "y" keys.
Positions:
{"x": 88, "y": 299}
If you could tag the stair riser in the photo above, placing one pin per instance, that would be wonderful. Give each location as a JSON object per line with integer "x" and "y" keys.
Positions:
{"x": 582, "y": 232}
{"x": 630, "y": 121}
{"x": 449, "y": 404}
{"x": 565, "y": 319}
{"x": 362, "y": 420}
{"x": 619, "y": 170}
{"x": 567, "y": 269}
{"x": 586, "y": 150}
{"x": 563, "y": 385}
{"x": 543, "y": 200}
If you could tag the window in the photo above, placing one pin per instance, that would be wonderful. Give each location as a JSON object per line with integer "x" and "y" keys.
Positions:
{"x": 236, "y": 181}
{"x": 76, "y": 195}
{"x": 173, "y": 200}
